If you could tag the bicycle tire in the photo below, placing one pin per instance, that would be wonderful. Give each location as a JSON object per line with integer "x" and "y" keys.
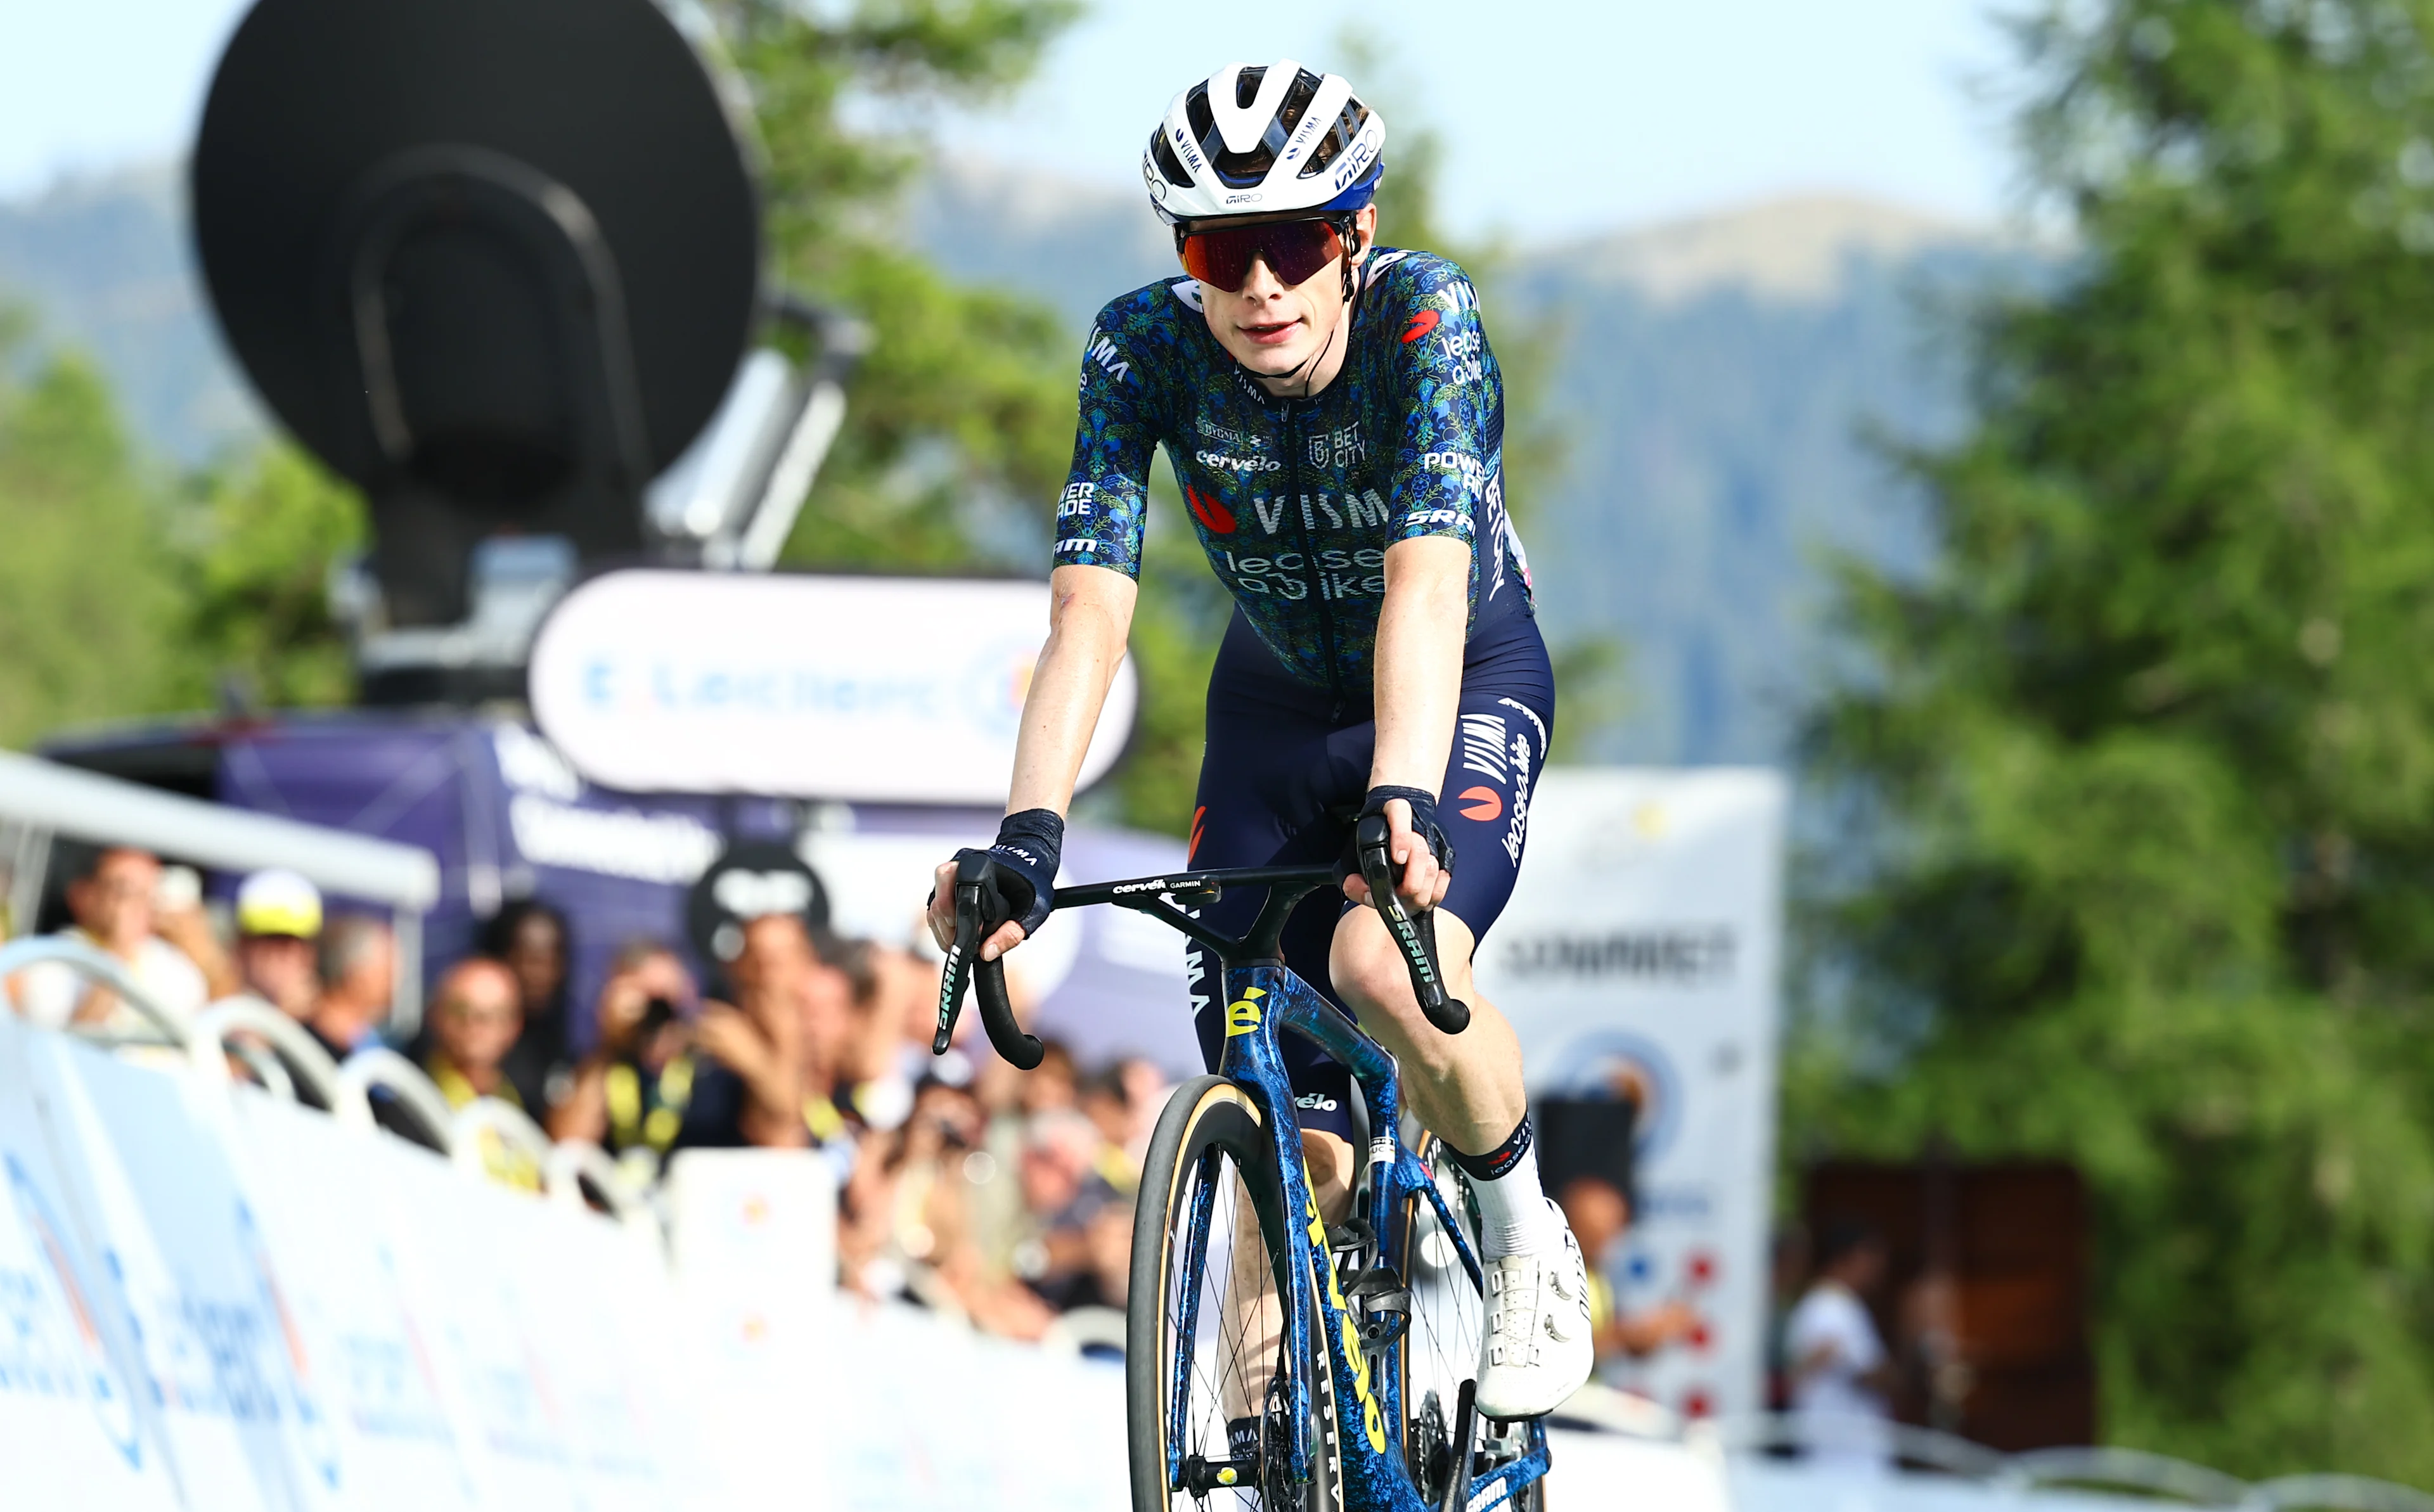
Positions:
{"x": 1441, "y": 1346}
{"x": 1210, "y": 1140}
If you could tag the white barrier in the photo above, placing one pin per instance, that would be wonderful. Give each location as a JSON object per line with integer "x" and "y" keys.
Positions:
{"x": 213, "y": 1299}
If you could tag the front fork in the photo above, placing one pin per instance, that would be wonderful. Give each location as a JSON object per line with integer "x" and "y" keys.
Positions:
{"x": 1262, "y": 1000}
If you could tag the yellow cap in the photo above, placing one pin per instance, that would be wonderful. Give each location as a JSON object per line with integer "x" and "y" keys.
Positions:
{"x": 279, "y": 903}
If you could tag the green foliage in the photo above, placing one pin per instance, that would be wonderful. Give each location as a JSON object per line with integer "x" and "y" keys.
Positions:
{"x": 959, "y": 418}
{"x": 2155, "y": 741}
{"x": 273, "y": 530}
{"x": 87, "y": 590}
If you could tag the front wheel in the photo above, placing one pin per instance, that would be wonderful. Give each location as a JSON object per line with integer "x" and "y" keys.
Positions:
{"x": 1207, "y": 1365}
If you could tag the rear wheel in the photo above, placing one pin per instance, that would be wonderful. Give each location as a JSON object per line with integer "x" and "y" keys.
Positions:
{"x": 1440, "y": 1350}
{"x": 1207, "y": 1363}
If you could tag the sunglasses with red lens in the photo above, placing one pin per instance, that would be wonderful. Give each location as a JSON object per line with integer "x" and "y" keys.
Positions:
{"x": 1294, "y": 250}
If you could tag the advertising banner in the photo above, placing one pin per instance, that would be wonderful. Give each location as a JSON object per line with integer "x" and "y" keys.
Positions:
{"x": 854, "y": 688}
{"x": 74, "y": 1432}
{"x": 244, "y": 1411}
{"x": 1639, "y": 959}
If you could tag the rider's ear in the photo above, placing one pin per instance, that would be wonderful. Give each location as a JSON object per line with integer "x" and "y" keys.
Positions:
{"x": 1364, "y": 231}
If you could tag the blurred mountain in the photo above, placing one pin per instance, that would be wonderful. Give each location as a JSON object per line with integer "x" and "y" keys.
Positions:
{"x": 104, "y": 265}
{"x": 1721, "y": 387}
{"x": 1712, "y": 381}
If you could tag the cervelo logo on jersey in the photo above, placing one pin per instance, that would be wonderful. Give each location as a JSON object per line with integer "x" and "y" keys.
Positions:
{"x": 1422, "y": 323}
{"x": 1103, "y": 350}
{"x": 1206, "y": 509}
{"x": 1483, "y": 804}
{"x": 1225, "y": 464}
{"x": 1317, "y": 1102}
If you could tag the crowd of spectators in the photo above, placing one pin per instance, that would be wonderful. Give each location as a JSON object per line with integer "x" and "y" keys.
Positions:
{"x": 1000, "y": 1197}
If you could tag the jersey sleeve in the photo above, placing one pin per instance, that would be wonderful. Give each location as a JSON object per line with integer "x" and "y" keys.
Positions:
{"x": 1101, "y": 514}
{"x": 1452, "y": 399}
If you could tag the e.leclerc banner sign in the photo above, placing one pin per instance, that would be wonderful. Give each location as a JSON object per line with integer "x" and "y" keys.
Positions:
{"x": 857, "y": 689}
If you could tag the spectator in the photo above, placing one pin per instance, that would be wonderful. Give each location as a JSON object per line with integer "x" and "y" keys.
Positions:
{"x": 177, "y": 917}
{"x": 1787, "y": 1267}
{"x": 1107, "y": 1101}
{"x": 111, "y": 901}
{"x": 529, "y": 938}
{"x": 1840, "y": 1374}
{"x": 908, "y": 1221}
{"x": 751, "y": 1092}
{"x": 1600, "y": 1213}
{"x": 358, "y": 979}
{"x": 474, "y": 1018}
{"x": 631, "y": 1093}
{"x": 278, "y": 921}
{"x": 1063, "y": 1199}
{"x": 908, "y": 986}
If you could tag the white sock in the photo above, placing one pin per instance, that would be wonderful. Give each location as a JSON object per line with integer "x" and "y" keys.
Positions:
{"x": 1515, "y": 1218}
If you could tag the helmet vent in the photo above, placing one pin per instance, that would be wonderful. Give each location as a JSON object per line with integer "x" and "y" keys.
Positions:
{"x": 1169, "y": 166}
{"x": 1339, "y": 137}
{"x": 1246, "y": 87}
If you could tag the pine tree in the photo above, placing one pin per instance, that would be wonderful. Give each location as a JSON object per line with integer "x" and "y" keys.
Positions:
{"x": 2137, "y": 786}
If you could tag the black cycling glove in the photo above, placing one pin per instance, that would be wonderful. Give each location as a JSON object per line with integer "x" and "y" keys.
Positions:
{"x": 1024, "y": 865}
{"x": 1424, "y": 823}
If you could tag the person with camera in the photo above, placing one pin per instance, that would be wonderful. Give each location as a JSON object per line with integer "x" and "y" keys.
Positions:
{"x": 631, "y": 1094}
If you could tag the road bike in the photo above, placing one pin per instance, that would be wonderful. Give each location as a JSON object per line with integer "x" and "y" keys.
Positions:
{"x": 1274, "y": 1360}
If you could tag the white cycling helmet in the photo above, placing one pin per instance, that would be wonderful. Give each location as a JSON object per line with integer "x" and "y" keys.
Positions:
{"x": 1253, "y": 141}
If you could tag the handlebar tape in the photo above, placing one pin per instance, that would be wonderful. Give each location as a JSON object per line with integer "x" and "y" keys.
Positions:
{"x": 979, "y": 909}
{"x": 1415, "y": 935}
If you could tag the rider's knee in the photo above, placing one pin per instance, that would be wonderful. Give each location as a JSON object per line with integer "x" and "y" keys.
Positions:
{"x": 1371, "y": 973}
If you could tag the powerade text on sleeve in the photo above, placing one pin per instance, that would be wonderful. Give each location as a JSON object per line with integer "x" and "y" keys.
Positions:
{"x": 1295, "y": 501}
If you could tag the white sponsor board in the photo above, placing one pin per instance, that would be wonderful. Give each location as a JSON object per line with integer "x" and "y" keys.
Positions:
{"x": 1640, "y": 953}
{"x": 74, "y": 1429}
{"x": 859, "y": 688}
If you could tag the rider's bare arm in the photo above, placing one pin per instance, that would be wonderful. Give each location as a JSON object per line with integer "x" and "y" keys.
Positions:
{"x": 1090, "y": 617}
{"x": 1420, "y": 633}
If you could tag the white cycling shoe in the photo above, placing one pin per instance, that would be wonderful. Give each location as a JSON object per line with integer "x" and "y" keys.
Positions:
{"x": 1538, "y": 1349}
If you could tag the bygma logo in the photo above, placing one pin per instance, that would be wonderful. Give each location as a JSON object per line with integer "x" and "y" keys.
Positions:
{"x": 114, "y": 1405}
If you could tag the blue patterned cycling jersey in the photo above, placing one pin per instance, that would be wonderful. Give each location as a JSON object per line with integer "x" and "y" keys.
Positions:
{"x": 1296, "y": 500}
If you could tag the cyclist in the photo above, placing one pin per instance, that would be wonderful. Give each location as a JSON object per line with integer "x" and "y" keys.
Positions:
{"x": 1334, "y": 417}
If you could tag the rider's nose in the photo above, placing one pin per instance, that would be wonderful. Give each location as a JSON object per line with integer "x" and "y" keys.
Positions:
{"x": 1261, "y": 282}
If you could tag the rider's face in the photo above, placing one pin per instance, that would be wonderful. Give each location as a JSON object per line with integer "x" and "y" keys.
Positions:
{"x": 1276, "y": 329}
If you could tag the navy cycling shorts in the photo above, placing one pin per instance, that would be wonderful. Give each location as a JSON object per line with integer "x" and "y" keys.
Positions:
{"x": 1284, "y": 773}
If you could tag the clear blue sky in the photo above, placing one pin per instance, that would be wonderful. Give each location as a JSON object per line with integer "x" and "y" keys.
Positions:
{"x": 1563, "y": 116}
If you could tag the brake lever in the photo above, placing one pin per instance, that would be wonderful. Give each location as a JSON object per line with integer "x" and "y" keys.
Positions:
{"x": 1415, "y": 935}
{"x": 975, "y": 920}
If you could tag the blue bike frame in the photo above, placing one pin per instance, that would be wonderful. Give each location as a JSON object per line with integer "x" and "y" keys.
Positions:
{"x": 1263, "y": 999}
